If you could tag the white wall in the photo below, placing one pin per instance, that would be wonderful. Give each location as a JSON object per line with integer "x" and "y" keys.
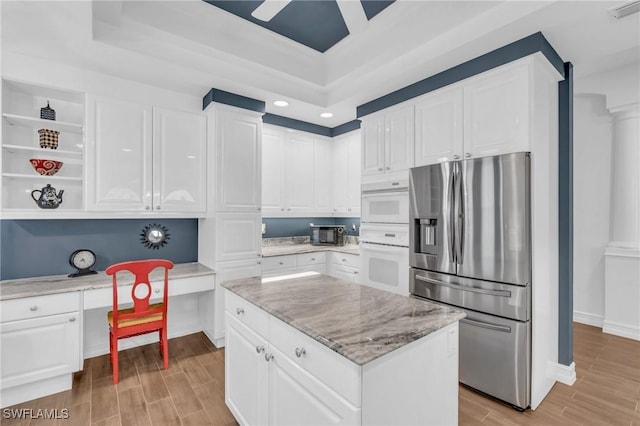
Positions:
{"x": 591, "y": 205}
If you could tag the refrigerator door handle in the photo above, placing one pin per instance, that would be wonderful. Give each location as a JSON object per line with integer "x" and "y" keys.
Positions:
{"x": 488, "y": 325}
{"x": 499, "y": 293}
{"x": 459, "y": 214}
{"x": 452, "y": 213}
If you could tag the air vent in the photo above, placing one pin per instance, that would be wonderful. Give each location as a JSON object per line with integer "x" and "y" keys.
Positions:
{"x": 625, "y": 9}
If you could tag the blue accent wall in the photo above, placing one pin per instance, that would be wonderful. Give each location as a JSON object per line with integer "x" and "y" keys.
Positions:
{"x": 34, "y": 248}
{"x": 299, "y": 226}
{"x": 565, "y": 219}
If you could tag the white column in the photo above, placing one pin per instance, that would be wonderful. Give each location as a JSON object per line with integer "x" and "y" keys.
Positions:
{"x": 622, "y": 255}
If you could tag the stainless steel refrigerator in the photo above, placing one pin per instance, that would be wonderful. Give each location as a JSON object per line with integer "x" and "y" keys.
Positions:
{"x": 470, "y": 247}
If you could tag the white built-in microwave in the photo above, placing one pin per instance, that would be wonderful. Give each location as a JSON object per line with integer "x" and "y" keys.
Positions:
{"x": 385, "y": 202}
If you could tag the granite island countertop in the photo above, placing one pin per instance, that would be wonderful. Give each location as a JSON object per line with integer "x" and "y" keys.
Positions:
{"x": 52, "y": 284}
{"x": 356, "y": 321}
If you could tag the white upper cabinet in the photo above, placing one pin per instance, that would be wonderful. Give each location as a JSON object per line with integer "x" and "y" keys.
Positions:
{"x": 439, "y": 126}
{"x": 322, "y": 174}
{"x": 298, "y": 183}
{"x": 119, "y": 155}
{"x": 179, "y": 161}
{"x": 388, "y": 140}
{"x": 239, "y": 159}
{"x": 144, "y": 159}
{"x": 346, "y": 175}
{"x": 272, "y": 171}
{"x": 496, "y": 111}
{"x": 489, "y": 114}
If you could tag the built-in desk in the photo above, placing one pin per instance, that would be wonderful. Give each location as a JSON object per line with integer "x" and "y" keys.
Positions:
{"x": 49, "y": 325}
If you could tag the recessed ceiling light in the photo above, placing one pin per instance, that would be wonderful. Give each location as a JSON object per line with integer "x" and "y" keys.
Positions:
{"x": 326, "y": 115}
{"x": 281, "y": 103}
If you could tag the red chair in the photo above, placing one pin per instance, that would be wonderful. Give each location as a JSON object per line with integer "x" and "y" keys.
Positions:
{"x": 142, "y": 318}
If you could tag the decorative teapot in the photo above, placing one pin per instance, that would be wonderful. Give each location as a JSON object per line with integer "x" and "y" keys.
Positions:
{"x": 48, "y": 198}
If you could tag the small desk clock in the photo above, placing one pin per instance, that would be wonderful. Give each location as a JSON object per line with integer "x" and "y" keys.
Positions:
{"x": 82, "y": 260}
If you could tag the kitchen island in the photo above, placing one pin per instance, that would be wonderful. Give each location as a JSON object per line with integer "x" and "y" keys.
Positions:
{"x": 312, "y": 349}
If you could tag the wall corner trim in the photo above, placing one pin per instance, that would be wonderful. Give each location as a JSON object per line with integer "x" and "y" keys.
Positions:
{"x": 518, "y": 49}
{"x": 304, "y": 126}
{"x": 228, "y": 98}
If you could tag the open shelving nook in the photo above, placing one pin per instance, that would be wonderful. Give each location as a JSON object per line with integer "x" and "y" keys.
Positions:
{"x": 21, "y": 103}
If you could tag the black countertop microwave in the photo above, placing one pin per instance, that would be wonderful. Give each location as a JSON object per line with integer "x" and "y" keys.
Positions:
{"x": 328, "y": 235}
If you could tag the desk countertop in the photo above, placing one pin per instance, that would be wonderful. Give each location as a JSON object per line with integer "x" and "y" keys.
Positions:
{"x": 52, "y": 284}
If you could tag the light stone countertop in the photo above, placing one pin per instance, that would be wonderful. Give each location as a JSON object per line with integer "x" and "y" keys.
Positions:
{"x": 52, "y": 284}
{"x": 283, "y": 250}
{"x": 356, "y": 321}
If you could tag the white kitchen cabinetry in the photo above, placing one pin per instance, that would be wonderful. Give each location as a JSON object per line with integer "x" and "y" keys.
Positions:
{"x": 439, "y": 126}
{"x": 346, "y": 175}
{"x": 292, "y": 263}
{"x": 21, "y": 121}
{"x": 388, "y": 140}
{"x": 323, "y": 174}
{"x": 40, "y": 345}
{"x": 485, "y": 115}
{"x": 238, "y": 159}
{"x": 238, "y": 236}
{"x": 143, "y": 159}
{"x": 345, "y": 266}
{"x": 287, "y": 173}
{"x": 268, "y": 383}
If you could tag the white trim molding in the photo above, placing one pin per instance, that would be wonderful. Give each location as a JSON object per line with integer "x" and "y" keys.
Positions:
{"x": 588, "y": 319}
{"x": 566, "y": 373}
{"x": 622, "y": 330}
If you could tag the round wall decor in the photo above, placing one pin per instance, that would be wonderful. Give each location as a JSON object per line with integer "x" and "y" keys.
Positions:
{"x": 154, "y": 236}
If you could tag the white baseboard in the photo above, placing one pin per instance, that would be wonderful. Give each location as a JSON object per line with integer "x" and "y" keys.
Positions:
{"x": 588, "y": 319}
{"x": 566, "y": 373}
{"x": 34, "y": 390}
{"x": 219, "y": 342}
{"x": 622, "y": 330}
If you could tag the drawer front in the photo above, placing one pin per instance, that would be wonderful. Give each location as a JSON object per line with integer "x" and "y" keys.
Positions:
{"x": 334, "y": 370}
{"x": 346, "y": 273}
{"x": 247, "y": 313}
{"x": 345, "y": 259}
{"x": 321, "y": 268}
{"x": 34, "y": 307}
{"x": 306, "y": 259}
{"x": 278, "y": 262}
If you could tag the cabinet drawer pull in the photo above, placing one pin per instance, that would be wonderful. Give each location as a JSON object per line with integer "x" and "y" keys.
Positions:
{"x": 468, "y": 154}
{"x": 258, "y": 262}
{"x": 390, "y": 235}
{"x": 157, "y": 290}
{"x": 147, "y": 208}
{"x": 300, "y": 352}
{"x": 33, "y": 308}
{"x": 157, "y": 207}
{"x": 280, "y": 263}
{"x": 313, "y": 259}
{"x": 268, "y": 357}
{"x": 259, "y": 349}
{"x": 239, "y": 311}
{"x": 456, "y": 157}
{"x": 388, "y": 168}
{"x": 344, "y": 260}
{"x": 72, "y": 319}
{"x": 379, "y": 169}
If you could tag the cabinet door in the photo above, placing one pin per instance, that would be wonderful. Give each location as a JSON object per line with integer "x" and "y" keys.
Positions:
{"x": 298, "y": 398}
{"x": 239, "y": 236}
{"x": 246, "y": 374}
{"x": 239, "y": 160}
{"x": 353, "y": 181}
{"x": 439, "y": 127}
{"x": 399, "y": 139}
{"x": 39, "y": 348}
{"x": 180, "y": 161}
{"x": 340, "y": 175}
{"x": 298, "y": 184}
{"x": 322, "y": 175}
{"x": 373, "y": 135}
{"x": 272, "y": 172}
{"x": 496, "y": 113}
{"x": 119, "y": 155}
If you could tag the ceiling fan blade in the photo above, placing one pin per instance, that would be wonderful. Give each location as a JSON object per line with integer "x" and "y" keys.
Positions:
{"x": 268, "y": 9}
{"x": 353, "y": 15}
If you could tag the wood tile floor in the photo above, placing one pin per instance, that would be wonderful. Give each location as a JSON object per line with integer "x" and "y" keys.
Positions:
{"x": 191, "y": 391}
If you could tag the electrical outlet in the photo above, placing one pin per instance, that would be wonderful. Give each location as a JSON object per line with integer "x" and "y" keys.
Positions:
{"x": 264, "y": 228}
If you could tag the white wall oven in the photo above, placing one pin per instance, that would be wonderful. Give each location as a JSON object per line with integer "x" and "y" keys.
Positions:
{"x": 384, "y": 255}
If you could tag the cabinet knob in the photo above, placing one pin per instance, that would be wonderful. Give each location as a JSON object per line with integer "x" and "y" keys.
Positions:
{"x": 468, "y": 154}
{"x": 282, "y": 209}
{"x": 157, "y": 207}
{"x": 456, "y": 157}
{"x": 313, "y": 259}
{"x": 387, "y": 168}
{"x": 300, "y": 352}
{"x": 380, "y": 169}
{"x": 268, "y": 357}
{"x": 259, "y": 208}
{"x": 289, "y": 209}
{"x": 349, "y": 210}
{"x": 72, "y": 319}
{"x": 280, "y": 263}
{"x": 335, "y": 210}
{"x": 259, "y": 349}
{"x": 258, "y": 262}
{"x": 157, "y": 290}
{"x": 239, "y": 311}
{"x": 344, "y": 260}
{"x": 33, "y": 308}
{"x": 147, "y": 207}
{"x": 355, "y": 272}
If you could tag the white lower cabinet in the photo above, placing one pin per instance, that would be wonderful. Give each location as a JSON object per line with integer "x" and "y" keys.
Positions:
{"x": 344, "y": 266}
{"x": 40, "y": 346}
{"x": 265, "y": 385}
{"x": 292, "y": 263}
{"x": 238, "y": 236}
